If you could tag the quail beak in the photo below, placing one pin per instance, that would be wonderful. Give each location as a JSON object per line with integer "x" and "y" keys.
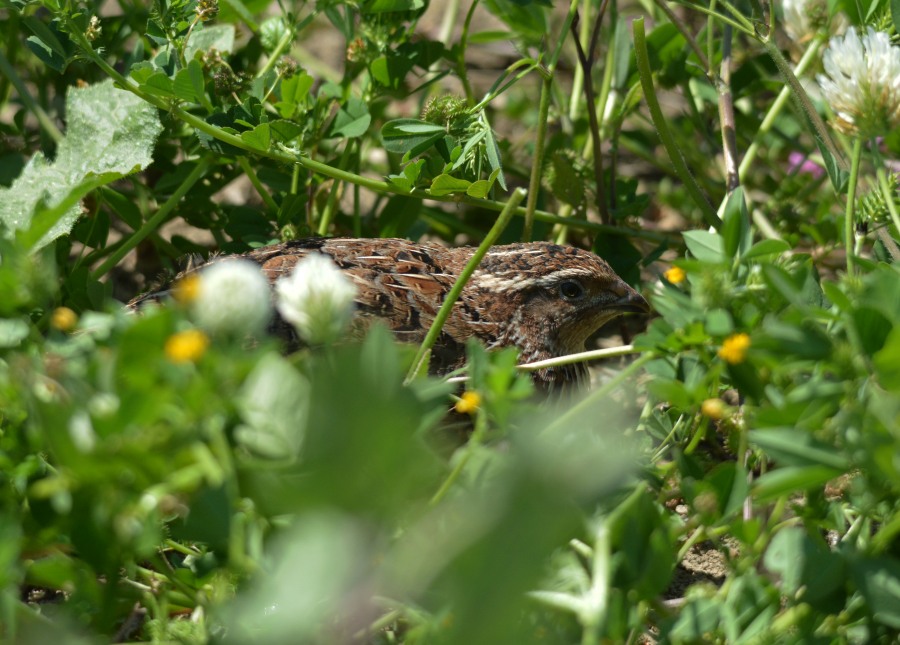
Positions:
{"x": 629, "y": 301}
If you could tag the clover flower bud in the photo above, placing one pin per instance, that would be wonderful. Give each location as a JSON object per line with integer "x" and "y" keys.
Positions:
{"x": 317, "y": 299}
{"x": 862, "y": 83}
{"x": 232, "y": 298}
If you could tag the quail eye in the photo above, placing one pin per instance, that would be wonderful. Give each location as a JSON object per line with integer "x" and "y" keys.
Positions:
{"x": 571, "y": 290}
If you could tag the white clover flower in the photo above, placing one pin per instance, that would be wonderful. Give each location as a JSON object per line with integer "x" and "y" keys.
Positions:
{"x": 862, "y": 83}
{"x": 232, "y": 297}
{"x": 317, "y": 299}
{"x": 804, "y": 18}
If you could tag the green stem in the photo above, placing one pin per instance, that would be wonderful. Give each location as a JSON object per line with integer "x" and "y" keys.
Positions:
{"x": 888, "y": 194}
{"x": 154, "y": 222}
{"x": 588, "y": 402}
{"x": 359, "y": 180}
{"x": 282, "y": 44}
{"x": 501, "y": 84}
{"x": 850, "y": 214}
{"x": 331, "y": 204}
{"x": 768, "y": 122}
{"x": 818, "y": 126}
{"x": 537, "y": 162}
{"x": 184, "y": 43}
{"x": 474, "y": 441}
{"x": 44, "y": 120}
{"x": 585, "y": 60}
{"x": 720, "y": 16}
{"x": 726, "y": 115}
{"x": 578, "y": 72}
{"x": 681, "y": 169}
{"x": 580, "y": 357}
{"x": 257, "y": 184}
{"x": 685, "y": 32}
{"x": 461, "y": 69}
{"x": 448, "y": 22}
{"x": 597, "y": 597}
{"x": 455, "y": 291}
{"x": 747, "y": 24}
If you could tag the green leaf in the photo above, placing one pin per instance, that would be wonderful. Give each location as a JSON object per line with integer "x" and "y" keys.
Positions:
{"x": 804, "y": 563}
{"x": 792, "y": 480}
{"x": 352, "y": 119}
{"x": 293, "y": 91}
{"x": 479, "y": 189}
{"x": 259, "y": 137}
{"x": 705, "y": 246}
{"x": 407, "y": 181}
{"x": 398, "y": 216}
{"x": 799, "y": 287}
{"x": 879, "y": 581}
{"x": 405, "y": 127}
{"x": 725, "y": 485}
{"x": 803, "y": 340}
{"x": 719, "y": 323}
{"x": 566, "y": 182}
{"x": 672, "y": 392}
{"x": 493, "y": 152}
{"x": 12, "y": 332}
{"x": 273, "y": 405}
{"x": 220, "y": 37}
{"x": 622, "y": 256}
{"x": 159, "y": 84}
{"x": 525, "y": 19}
{"x": 639, "y": 535}
{"x": 124, "y": 207}
{"x": 872, "y": 328}
{"x": 391, "y": 6}
{"x": 484, "y": 37}
{"x": 887, "y": 362}
{"x": 459, "y": 156}
{"x": 765, "y": 248}
{"x": 699, "y": 618}
{"x": 410, "y": 137}
{"x": 793, "y": 447}
{"x": 736, "y": 225}
{"x": 110, "y": 134}
{"x": 50, "y": 45}
{"x": 839, "y": 178}
{"x": 284, "y": 131}
{"x": 183, "y": 86}
{"x": 190, "y": 85}
{"x": 447, "y": 185}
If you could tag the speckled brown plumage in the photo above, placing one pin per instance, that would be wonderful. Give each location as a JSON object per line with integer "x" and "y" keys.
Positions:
{"x": 543, "y": 298}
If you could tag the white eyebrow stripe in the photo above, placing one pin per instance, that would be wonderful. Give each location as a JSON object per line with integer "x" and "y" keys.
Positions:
{"x": 498, "y": 254}
{"x": 562, "y": 274}
{"x": 496, "y": 283}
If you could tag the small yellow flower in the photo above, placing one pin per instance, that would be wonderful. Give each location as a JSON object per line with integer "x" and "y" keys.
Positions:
{"x": 468, "y": 403}
{"x": 63, "y": 319}
{"x": 713, "y": 408}
{"x": 675, "y": 275}
{"x": 187, "y": 289}
{"x": 734, "y": 348}
{"x": 186, "y": 346}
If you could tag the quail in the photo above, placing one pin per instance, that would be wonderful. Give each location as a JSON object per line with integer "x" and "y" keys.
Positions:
{"x": 543, "y": 298}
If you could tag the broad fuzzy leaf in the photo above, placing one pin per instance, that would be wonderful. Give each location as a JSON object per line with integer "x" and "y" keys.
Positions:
{"x": 111, "y": 134}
